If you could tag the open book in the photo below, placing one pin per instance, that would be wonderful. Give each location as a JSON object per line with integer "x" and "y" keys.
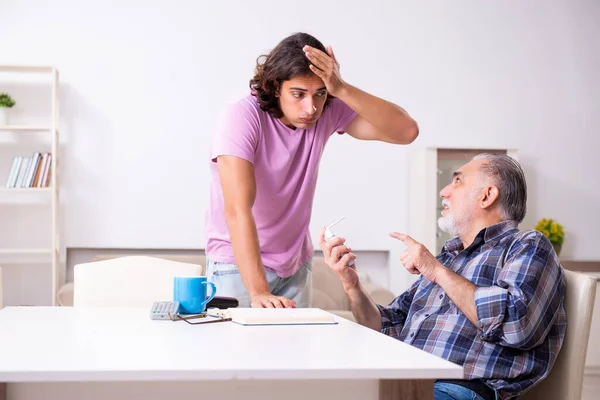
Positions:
{"x": 279, "y": 316}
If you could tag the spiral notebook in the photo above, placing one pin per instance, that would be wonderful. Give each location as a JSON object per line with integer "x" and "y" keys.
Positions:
{"x": 280, "y": 316}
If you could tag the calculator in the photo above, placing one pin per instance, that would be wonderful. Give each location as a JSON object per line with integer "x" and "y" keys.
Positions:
{"x": 161, "y": 309}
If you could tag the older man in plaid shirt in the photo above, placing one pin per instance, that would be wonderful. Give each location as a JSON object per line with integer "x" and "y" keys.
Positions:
{"x": 491, "y": 301}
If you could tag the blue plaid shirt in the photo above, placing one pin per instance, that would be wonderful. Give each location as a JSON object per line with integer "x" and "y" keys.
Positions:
{"x": 519, "y": 300}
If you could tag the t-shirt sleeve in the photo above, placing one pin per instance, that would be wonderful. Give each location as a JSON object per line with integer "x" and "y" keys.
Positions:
{"x": 341, "y": 115}
{"x": 236, "y": 133}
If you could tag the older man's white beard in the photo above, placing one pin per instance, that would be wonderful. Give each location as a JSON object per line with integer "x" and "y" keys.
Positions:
{"x": 457, "y": 226}
{"x": 447, "y": 224}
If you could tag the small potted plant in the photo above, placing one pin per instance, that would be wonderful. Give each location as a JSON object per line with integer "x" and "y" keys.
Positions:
{"x": 553, "y": 231}
{"x": 6, "y": 102}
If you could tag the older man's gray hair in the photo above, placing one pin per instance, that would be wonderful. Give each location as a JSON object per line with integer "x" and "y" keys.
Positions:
{"x": 510, "y": 180}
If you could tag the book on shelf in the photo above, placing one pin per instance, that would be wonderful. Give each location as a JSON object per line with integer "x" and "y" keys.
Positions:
{"x": 30, "y": 172}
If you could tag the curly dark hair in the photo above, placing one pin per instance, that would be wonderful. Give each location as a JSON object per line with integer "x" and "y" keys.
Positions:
{"x": 284, "y": 62}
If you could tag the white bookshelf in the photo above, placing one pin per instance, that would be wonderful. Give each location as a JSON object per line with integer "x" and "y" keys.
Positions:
{"x": 26, "y": 251}
{"x": 25, "y": 128}
{"x": 27, "y": 190}
{"x": 25, "y": 255}
{"x": 48, "y": 131}
{"x": 28, "y": 69}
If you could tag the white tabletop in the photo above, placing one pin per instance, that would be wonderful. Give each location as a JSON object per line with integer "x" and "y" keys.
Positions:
{"x": 41, "y": 344}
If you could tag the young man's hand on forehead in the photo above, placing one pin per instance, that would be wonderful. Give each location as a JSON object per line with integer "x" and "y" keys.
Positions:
{"x": 326, "y": 67}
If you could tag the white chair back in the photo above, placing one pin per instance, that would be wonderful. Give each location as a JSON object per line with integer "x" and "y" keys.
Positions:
{"x": 565, "y": 381}
{"x": 132, "y": 281}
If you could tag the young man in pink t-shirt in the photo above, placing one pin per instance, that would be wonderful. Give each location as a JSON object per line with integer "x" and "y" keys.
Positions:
{"x": 264, "y": 165}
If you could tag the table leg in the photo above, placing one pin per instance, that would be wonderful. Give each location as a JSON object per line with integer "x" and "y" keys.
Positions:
{"x": 395, "y": 389}
{"x": 2, "y": 391}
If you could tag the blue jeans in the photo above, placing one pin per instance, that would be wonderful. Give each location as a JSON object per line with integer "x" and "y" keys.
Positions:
{"x": 449, "y": 391}
{"x": 228, "y": 281}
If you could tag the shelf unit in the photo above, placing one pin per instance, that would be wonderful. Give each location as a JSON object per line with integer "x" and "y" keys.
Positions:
{"x": 26, "y": 190}
{"x": 24, "y": 128}
{"x": 51, "y": 128}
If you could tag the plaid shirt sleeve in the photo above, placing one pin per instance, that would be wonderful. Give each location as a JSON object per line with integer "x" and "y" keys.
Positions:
{"x": 519, "y": 309}
{"x": 393, "y": 316}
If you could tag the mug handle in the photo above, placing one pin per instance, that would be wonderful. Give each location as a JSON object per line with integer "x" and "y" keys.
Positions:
{"x": 212, "y": 294}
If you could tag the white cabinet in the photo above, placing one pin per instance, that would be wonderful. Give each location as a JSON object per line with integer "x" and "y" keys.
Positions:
{"x": 33, "y": 128}
{"x": 430, "y": 170}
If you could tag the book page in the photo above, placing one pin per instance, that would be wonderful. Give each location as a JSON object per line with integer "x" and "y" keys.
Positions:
{"x": 280, "y": 316}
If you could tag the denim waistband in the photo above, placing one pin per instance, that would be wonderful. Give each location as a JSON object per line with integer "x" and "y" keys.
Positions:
{"x": 475, "y": 385}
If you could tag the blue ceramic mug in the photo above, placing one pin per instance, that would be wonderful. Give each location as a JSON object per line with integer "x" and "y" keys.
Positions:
{"x": 190, "y": 292}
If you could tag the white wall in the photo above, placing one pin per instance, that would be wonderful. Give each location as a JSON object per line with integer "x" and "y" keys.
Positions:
{"x": 141, "y": 84}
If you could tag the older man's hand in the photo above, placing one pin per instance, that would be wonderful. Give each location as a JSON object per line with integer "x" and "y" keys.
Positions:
{"x": 417, "y": 259}
{"x": 337, "y": 255}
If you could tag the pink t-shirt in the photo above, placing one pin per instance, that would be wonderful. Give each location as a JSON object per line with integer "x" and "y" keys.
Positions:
{"x": 286, "y": 165}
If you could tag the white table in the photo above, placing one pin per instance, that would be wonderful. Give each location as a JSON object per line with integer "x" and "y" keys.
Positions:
{"x": 65, "y": 352}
